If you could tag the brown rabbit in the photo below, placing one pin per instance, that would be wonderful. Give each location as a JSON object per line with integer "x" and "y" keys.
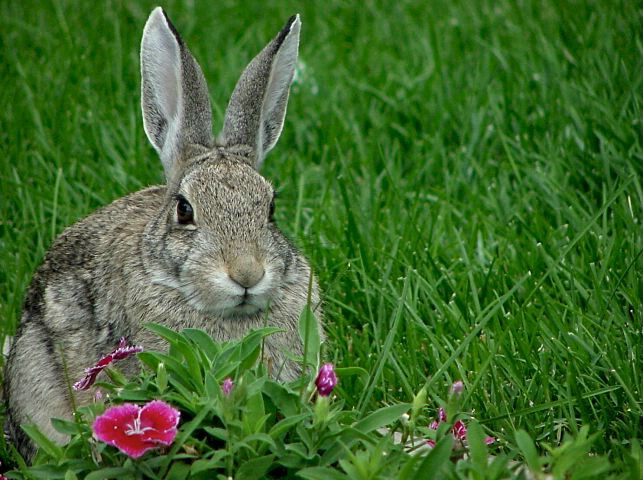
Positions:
{"x": 201, "y": 251}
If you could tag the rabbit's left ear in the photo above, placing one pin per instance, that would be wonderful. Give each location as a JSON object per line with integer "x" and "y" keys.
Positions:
{"x": 174, "y": 95}
{"x": 255, "y": 114}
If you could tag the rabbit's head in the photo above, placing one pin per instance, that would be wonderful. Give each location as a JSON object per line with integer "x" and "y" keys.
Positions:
{"x": 214, "y": 240}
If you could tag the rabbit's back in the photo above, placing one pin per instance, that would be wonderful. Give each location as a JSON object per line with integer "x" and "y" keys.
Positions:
{"x": 62, "y": 331}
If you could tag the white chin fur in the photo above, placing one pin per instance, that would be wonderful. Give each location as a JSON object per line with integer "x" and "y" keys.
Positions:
{"x": 231, "y": 307}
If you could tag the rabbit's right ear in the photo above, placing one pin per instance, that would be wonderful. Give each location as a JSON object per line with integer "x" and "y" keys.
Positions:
{"x": 255, "y": 114}
{"x": 174, "y": 96}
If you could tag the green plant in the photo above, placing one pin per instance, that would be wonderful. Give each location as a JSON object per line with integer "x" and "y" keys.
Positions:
{"x": 237, "y": 422}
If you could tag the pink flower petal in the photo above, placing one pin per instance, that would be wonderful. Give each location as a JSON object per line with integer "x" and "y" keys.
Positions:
{"x": 158, "y": 422}
{"x": 442, "y": 415}
{"x": 110, "y": 426}
{"x": 135, "y": 447}
{"x": 460, "y": 430}
{"x": 489, "y": 440}
{"x": 135, "y": 430}
{"x": 123, "y": 351}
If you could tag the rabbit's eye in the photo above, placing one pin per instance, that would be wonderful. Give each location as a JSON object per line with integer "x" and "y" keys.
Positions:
{"x": 184, "y": 212}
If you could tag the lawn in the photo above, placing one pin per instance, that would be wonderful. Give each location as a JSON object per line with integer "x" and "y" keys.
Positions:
{"x": 465, "y": 178}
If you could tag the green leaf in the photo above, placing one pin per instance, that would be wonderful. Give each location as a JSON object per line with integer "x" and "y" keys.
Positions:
{"x": 477, "y": 447}
{"x": 185, "y": 432}
{"x": 437, "y": 459}
{"x": 634, "y": 460}
{"x": 253, "y": 419}
{"x": 321, "y": 473}
{"x": 70, "y": 475}
{"x": 65, "y": 426}
{"x": 343, "y": 372}
{"x": 342, "y": 441}
{"x": 179, "y": 471}
{"x": 528, "y": 450}
{"x": 408, "y": 471}
{"x": 216, "y": 432}
{"x": 47, "y": 472}
{"x": 419, "y": 401}
{"x": 203, "y": 341}
{"x": 309, "y": 334}
{"x": 149, "y": 359}
{"x": 383, "y": 416}
{"x": 193, "y": 364}
{"x": 241, "y": 355}
{"x": 260, "y": 438}
{"x": 212, "y": 385}
{"x": 43, "y": 442}
{"x": 133, "y": 395}
{"x": 168, "y": 334}
{"x": 590, "y": 467}
{"x": 175, "y": 369}
{"x": 286, "y": 424}
{"x": 106, "y": 473}
{"x": 285, "y": 400}
{"x": 115, "y": 376}
{"x": 217, "y": 461}
{"x": 255, "y": 469}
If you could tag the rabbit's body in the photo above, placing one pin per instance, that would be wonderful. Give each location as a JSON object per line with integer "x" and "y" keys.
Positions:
{"x": 201, "y": 252}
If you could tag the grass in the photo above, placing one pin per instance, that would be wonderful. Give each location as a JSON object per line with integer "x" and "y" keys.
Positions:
{"x": 464, "y": 176}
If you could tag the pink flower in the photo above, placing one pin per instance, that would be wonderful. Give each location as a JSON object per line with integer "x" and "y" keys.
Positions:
{"x": 135, "y": 430}
{"x": 459, "y": 430}
{"x": 227, "y": 386}
{"x": 123, "y": 351}
{"x": 326, "y": 380}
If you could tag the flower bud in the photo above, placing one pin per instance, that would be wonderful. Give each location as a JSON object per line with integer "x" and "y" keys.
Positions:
{"x": 457, "y": 388}
{"x": 161, "y": 377}
{"x": 404, "y": 419}
{"x": 227, "y": 386}
{"x": 326, "y": 380}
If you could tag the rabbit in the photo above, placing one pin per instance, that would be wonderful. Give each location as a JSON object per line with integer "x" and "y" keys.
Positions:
{"x": 201, "y": 251}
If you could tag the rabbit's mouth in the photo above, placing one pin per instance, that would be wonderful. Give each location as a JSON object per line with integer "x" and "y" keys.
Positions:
{"x": 245, "y": 307}
{"x": 215, "y": 293}
{"x": 230, "y": 305}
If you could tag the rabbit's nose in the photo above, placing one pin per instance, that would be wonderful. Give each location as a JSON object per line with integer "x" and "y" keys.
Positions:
{"x": 245, "y": 270}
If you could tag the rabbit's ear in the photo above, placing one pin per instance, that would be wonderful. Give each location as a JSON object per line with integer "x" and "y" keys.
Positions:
{"x": 174, "y": 95}
{"x": 255, "y": 114}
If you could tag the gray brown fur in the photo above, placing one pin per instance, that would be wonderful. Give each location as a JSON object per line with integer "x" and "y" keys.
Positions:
{"x": 131, "y": 262}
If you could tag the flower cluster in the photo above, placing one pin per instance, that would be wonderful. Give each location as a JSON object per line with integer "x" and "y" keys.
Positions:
{"x": 122, "y": 351}
{"x": 134, "y": 430}
{"x": 459, "y": 430}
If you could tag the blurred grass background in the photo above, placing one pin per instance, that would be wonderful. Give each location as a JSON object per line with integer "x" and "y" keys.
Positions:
{"x": 465, "y": 177}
